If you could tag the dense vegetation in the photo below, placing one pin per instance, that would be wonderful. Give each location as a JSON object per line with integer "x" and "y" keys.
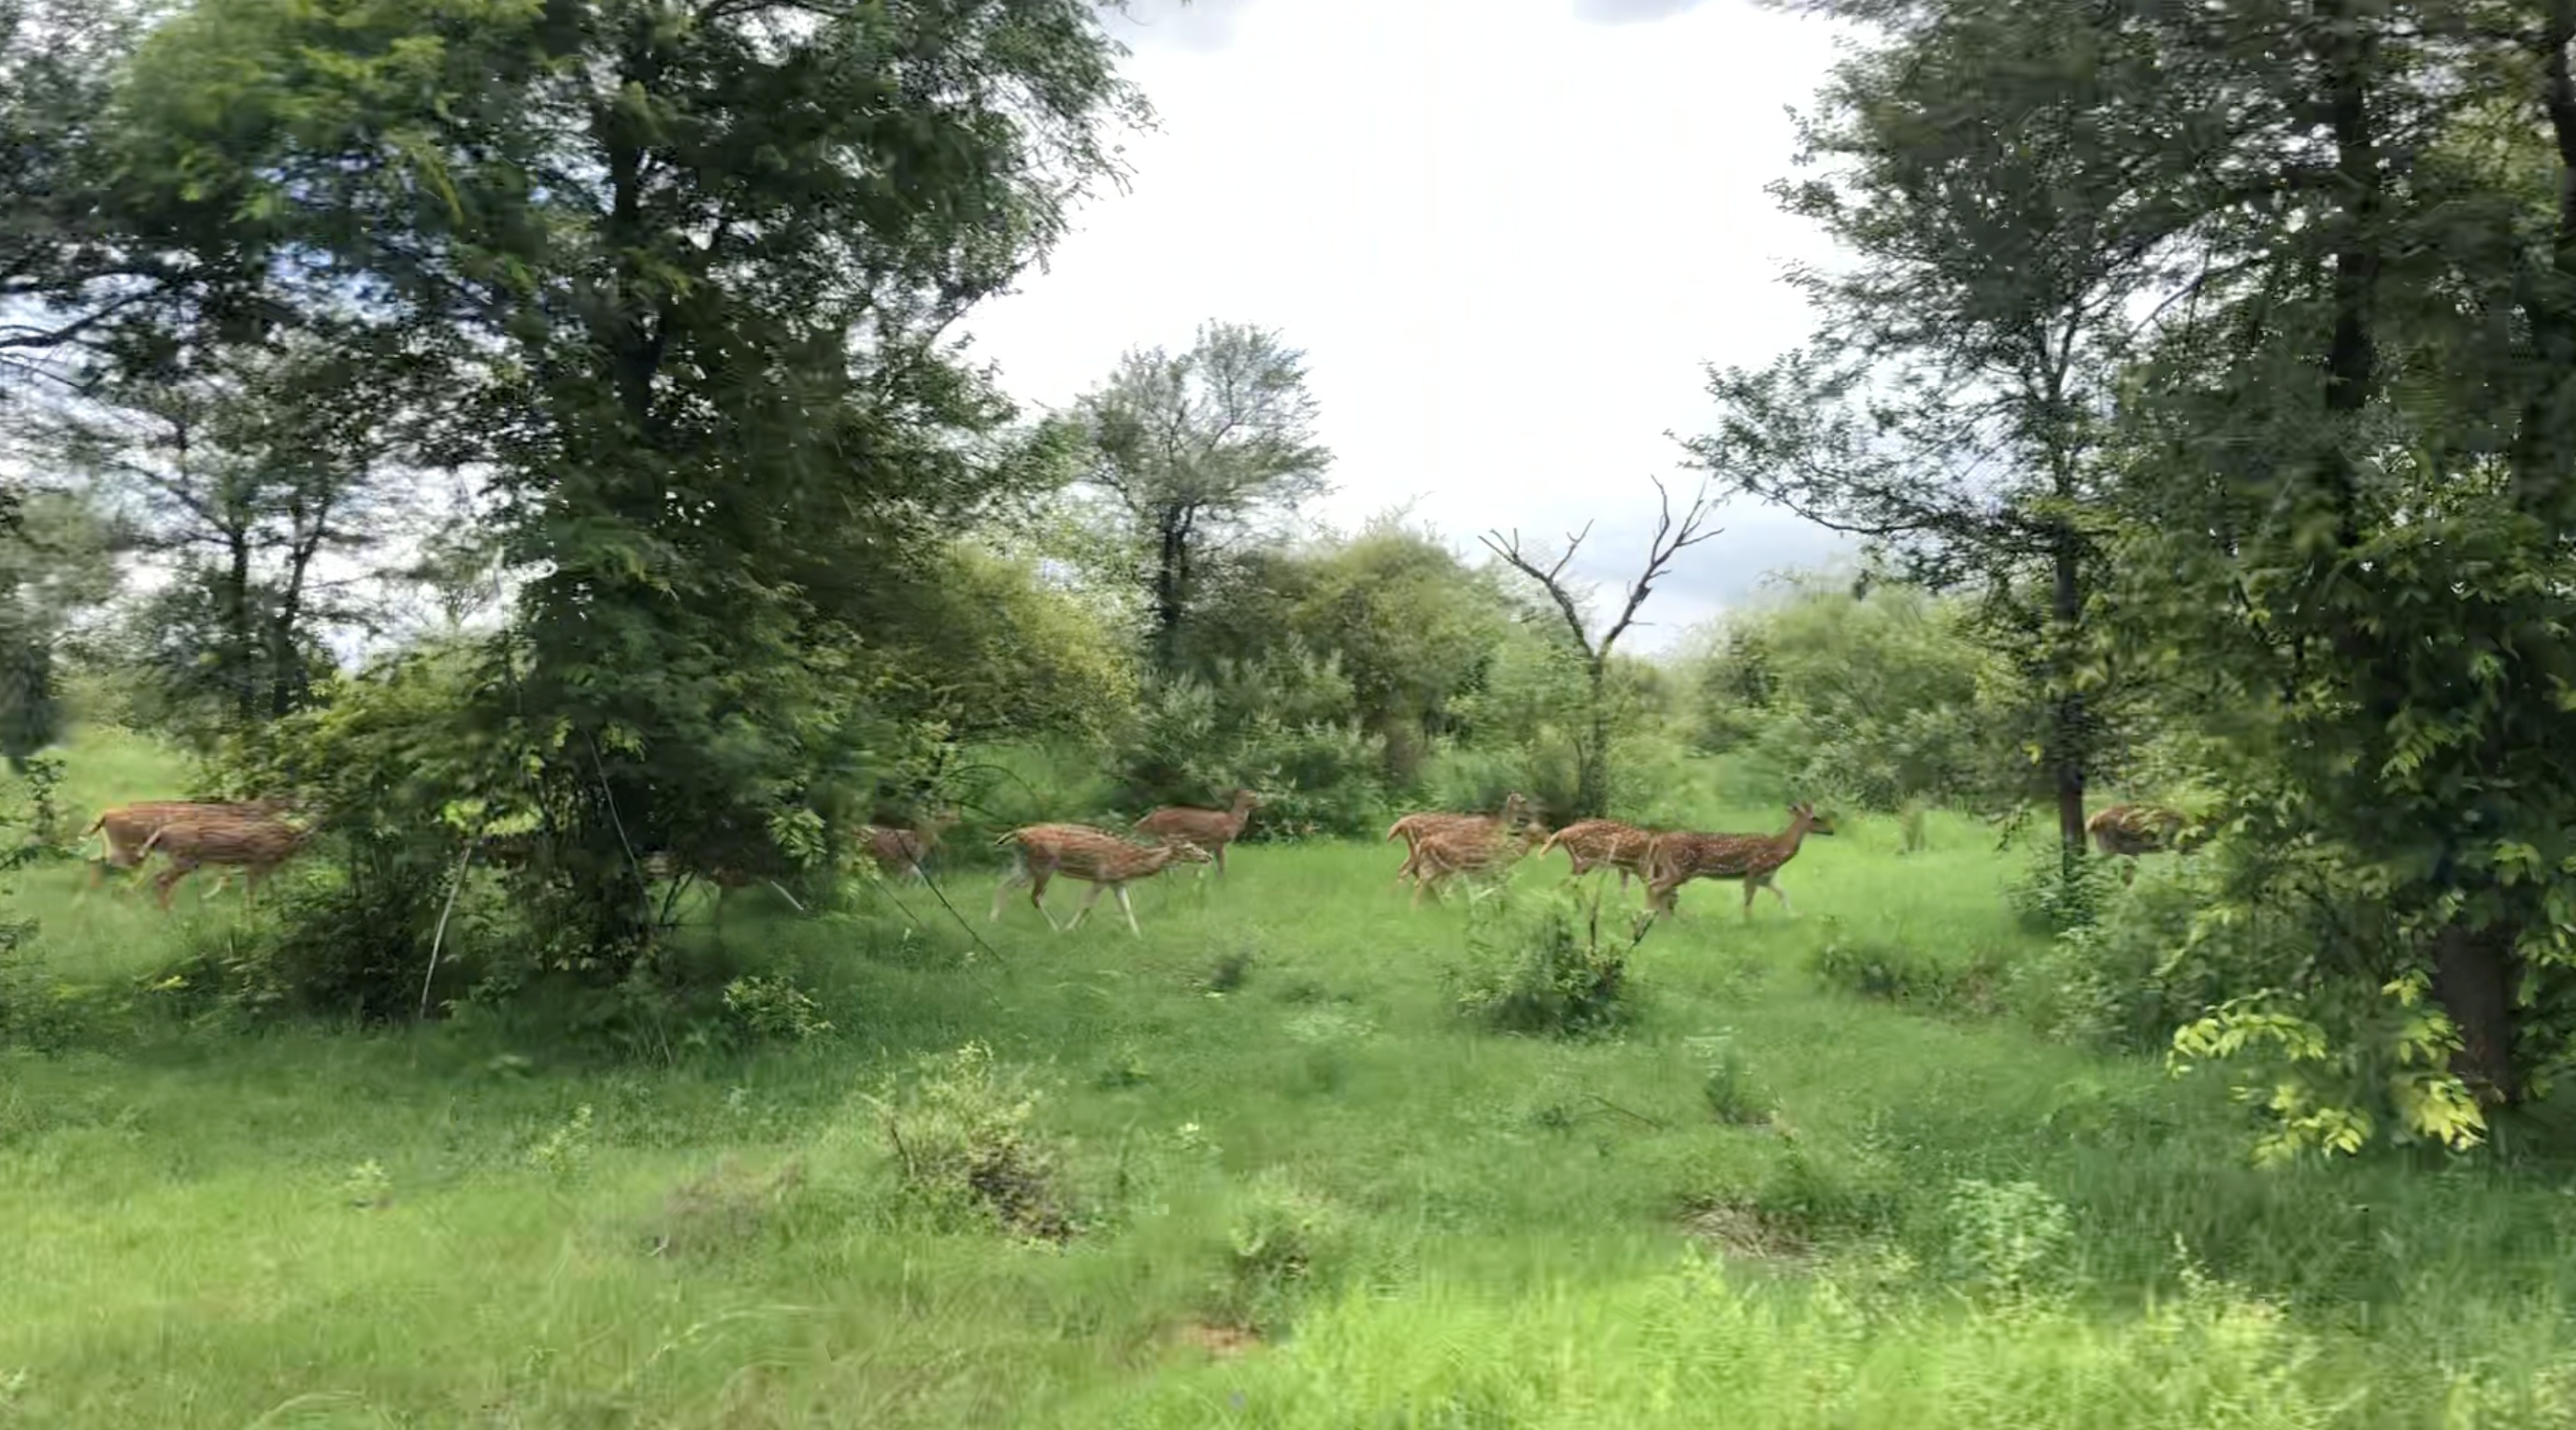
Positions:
{"x": 530, "y": 439}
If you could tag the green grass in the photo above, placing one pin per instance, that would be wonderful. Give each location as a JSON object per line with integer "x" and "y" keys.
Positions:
{"x": 321, "y": 1227}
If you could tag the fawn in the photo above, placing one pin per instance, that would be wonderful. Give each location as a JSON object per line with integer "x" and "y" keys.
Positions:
{"x": 1413, "y": 827}
{"x": 1594, "y": 843}
{"x": 1209, "y": 829}
{"x": 898, "y": 851}
{"x": 1447, "y": 853}
{"x": 1676, "y": 858}
{"x": 252, "y": 843}
{"x": 129, "y": 827}
{"x": 1096, "y": 856}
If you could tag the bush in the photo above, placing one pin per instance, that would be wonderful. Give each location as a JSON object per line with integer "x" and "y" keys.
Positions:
{"x": 1281, "y": 725}
{"x": 1551, "y": 972}
{"x": 964, "y": 1150}
{"x": 1282, "y": 1240}
{"x": 1968, "y": 985}
{"x": 2051, "y": 895}
{"x": 1728, "y": 1085}
{"x": 2010, "y": 1237}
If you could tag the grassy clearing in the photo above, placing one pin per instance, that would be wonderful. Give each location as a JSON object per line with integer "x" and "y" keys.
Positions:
{"x": 1307, "y": 1192}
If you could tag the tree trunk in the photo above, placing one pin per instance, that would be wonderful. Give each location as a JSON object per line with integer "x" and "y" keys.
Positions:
{"x": 2068, "y": 732}
{"x": 1171, "y": 577}
{"x": 1592, "y": 777}
{"x": 241, "y": 644}
{"x": 2474, "y": 973}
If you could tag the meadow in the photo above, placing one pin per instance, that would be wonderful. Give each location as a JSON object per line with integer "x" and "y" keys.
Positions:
{"x": 1267, "y": 1173}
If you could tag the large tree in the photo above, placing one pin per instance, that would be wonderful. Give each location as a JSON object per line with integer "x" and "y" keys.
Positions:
{"x": 2349, "y": 486}
{"x": 697, "y": 261}
{"x": 1197, "y": 450}
{"x": 1998, "y": 175}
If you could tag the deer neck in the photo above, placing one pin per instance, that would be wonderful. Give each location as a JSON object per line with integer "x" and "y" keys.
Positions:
{"x": 1795, "y": 835}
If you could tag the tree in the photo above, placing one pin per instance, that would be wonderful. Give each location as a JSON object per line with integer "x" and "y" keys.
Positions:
{"x": 89, "y": 267}
{"x": 1198, "y": 449}
{"x": 2347, "y": 479}
{"x": 690, "y": 276}
{"x": 1993, "y": 173}
{"x": 1670, "y": 539}
{"x": 54, "y": 566}
{"x": 252, "y": 472}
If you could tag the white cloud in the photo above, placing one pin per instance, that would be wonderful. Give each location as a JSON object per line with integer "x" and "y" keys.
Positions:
{"x": 1506, "y": 238}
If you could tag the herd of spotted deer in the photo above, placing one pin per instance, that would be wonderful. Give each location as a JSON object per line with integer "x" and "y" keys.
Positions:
{"x": 256, "y": 836}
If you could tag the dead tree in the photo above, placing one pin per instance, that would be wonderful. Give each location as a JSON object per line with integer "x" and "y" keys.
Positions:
{"x": 1592, "y": 794}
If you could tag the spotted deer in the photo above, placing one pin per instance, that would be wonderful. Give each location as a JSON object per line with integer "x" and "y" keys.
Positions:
{"x": 2134, "y": 829}
{"x": 899, "y": 852}
{"x": 1675, "y": 858}
{"x": 1209, "y": 829}
{"x": 1412, "y": 827}
{"x": 1597, "y": 843}
{"x": 1468, "y": 851}
{"x": 129, "y": 827}
{"x": 254, "y": 844}
{"x": 1095, "y": 856}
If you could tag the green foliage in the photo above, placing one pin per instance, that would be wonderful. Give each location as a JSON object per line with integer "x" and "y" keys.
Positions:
{"x": 772, "y": 1009}
{"x": 2058, "y": 889}
{"x": 965, "y": 1149}
{"x": 1278, "y": 724}
{"x": 1961, "y": 983}
{"x": 1727, "y": 1082}
{"x": 2008, "y": 1237}
{"x": 1282, "y": 1240}
{"x": 1195, "y": 449}
{"x": 1881, "y": 697}
{"x": 1550, "y": 971}
{"x": 998, "y": 650}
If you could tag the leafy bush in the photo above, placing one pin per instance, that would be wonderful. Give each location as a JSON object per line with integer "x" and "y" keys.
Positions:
{"x": 2053, "y": 894}
{"x": 1875, "y": 695}
{"x": 1281, "y": 725}
{"x": 964, "y": 1148}
{"x": 1551, "y": 972}
{"x": 771, "y": 1009}
{"x": 1282, "y": 1239}
{"x": 1725, "y": 1081}
{"x": 1966, "y": 985}
{"x": 2011, "y": 1237}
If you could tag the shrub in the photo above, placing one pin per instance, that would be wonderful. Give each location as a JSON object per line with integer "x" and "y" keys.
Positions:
{"x": 1733, "y": 1096}
{"x": 964, "y": 1150}
{"x": 2052, "y": 895}
{"x": 2011, "y": 1237}
{"x": 1969, "y": 985}
{"x": 1282, "y": 1239}
{"x": 766, "y": 1008}
{"x": 1552, "y": 972}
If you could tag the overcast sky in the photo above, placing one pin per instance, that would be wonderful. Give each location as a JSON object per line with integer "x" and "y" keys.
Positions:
{"x": 1507, "y": 234}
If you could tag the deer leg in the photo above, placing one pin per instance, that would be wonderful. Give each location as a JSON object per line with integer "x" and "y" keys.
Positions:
{"x": 1037, "y": 893}
{"x": 1011, "y": 876}
{"x": 1220, "y": 871}
{"x": 1127, "y": 908}
{"x": 169, "y": 879}
{"x": 1782, "y": 895}
{"x": 1092, "y": 898}
{"x": 1751, "y": 887}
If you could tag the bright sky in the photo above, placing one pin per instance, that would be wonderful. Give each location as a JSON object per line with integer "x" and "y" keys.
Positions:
{"x": 1507, "y": 233}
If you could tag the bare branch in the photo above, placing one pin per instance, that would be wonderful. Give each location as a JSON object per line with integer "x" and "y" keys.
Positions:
{"x": 1671, "y": 538}
{"x": 1509, "y": 548}
{"x": 1669, "y": 541}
